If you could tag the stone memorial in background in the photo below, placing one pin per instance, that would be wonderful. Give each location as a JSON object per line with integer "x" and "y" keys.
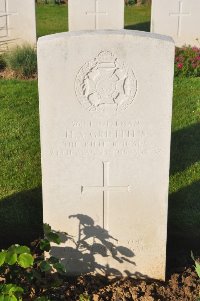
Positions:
{"x": 95, "y": 14}
{"x": 17, "y": 23}
{"x": 179, "y": 19}
{"x": 105, "y": 113}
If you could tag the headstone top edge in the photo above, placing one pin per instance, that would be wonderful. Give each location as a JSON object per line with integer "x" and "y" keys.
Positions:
{"x": 122, "y": 32}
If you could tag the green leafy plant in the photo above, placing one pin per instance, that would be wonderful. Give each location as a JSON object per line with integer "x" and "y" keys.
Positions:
{"x": 187, "y": 62}
{"x": 197, "y": 268}
{"x": 17, "y": 255}
{"x": 84, "y": 297}
{"x": 197, "y": 264}
{"x": 14, "y": 263}
{"x": 23, "y": 61}
{"x": 10, "y": 292}
{"x": 25, "y": 269}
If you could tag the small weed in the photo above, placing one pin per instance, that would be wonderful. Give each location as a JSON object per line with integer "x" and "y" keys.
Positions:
{"x": 2, "y": 62}
{"x": 84, "y": 297}
{"x": 23, "y": 61}
{"x": 10, "y": 292}
{"x": 197, "y": 264}
{"x": 22, "y": 269}
{"x": 197, "y": 268}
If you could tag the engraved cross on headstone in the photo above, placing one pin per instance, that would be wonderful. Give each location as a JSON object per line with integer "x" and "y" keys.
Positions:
{"x": 4, "y": 18}
{"x": 105, "y": 189}
{"x": 180, "y": 14}
{"x": 96, "y": 14}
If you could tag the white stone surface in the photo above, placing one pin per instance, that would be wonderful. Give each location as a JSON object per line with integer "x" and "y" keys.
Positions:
{"x": 105, "y": 111}
{"x": 179, "y": 19}
{"x": 17, "y": 23}
{"x": 95, "y": 14}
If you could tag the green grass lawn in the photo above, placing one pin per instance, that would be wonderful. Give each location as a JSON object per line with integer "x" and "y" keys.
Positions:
{"x": 20, "y": 205}
{"x": 138, "y": 17}
{"x": 20, "y": 190}
{"x": 184, "y": 198}
{"x": 51, "y": 19}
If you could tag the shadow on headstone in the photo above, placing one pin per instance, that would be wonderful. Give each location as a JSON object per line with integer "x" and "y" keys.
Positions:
{"x": 183, "y": 226}
{"x": 140, "y": 26}
{"x": 93, "y": 241}
{"x": 185, "y": 148}
{"x": 21, "y": 218}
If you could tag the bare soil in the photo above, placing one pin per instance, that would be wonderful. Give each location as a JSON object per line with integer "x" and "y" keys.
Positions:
{"x": 10, "y": 74}
{"x": 7, "y": 74}
{"x": 180, "y": 287}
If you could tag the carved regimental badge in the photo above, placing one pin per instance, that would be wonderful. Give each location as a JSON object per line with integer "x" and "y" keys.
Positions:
{"x": 105, "y": 84}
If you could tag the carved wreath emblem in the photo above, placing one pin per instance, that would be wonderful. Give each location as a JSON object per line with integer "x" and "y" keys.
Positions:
{"x": 105, "y": 84}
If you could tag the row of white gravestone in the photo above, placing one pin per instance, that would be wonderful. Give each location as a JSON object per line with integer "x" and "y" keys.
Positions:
{"x": 17, "y": 23}
{"x": 179, "y": 19}
{"x": 105, "y": 116}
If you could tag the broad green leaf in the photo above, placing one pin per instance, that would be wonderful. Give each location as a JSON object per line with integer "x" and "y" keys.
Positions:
{"x": 84, "y": 298}
{"x": 10, "y": 298}
{"x": 22, "y": 249}
{"x": 45, "y": 266}
{"x": 2, "y": 257}
{"x": 16, "y": 289}
{"x": 25, "y": 260}
{"x": 7, "y": 287}
{"x": 53, "y": 237}
{"x": 53, "y": 260}
{"x": 45, "y": 245}
{"x": 1, "y": 297}
{"x": 11, "y": 258}
{"x": 12, "y": 248}
{"x": 59, "y": 268}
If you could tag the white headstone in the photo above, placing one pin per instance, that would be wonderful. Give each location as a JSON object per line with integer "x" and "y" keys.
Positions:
{"x": 17, "y": 23}
{"x": 95, "y": 14}
{"x": 179, "y": 19}
{"x": 105, "y": 111}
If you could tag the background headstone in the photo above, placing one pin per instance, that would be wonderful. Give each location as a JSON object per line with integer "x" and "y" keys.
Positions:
{"x": 179, "y": 19}
{"x": 105, "y": 111}
{"x": 17, "y": 22}
{"x": 95, "y": 14}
